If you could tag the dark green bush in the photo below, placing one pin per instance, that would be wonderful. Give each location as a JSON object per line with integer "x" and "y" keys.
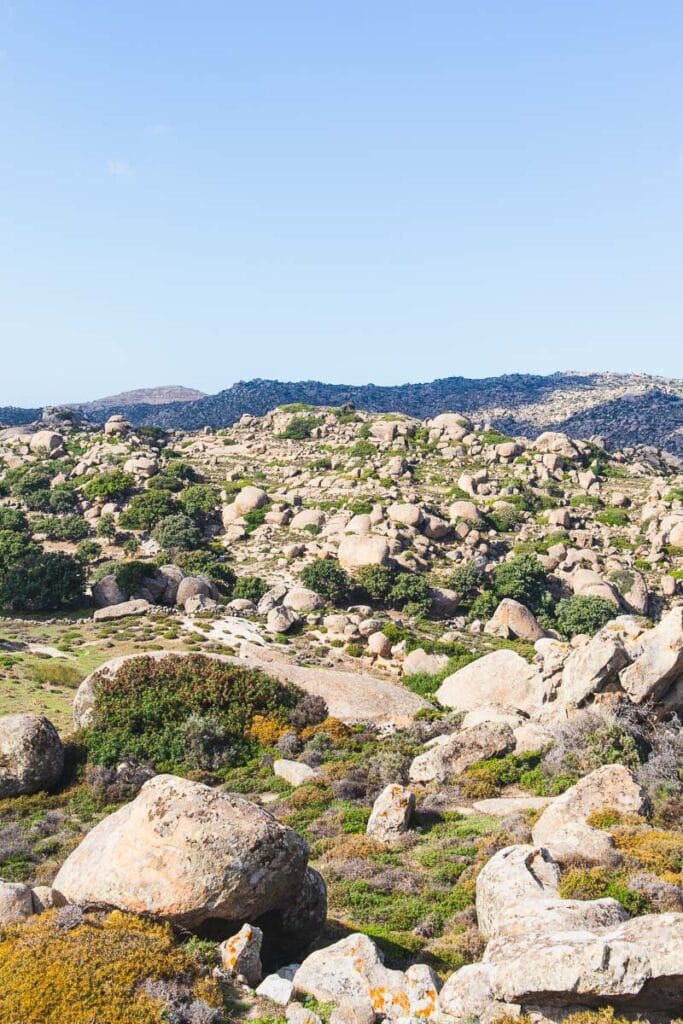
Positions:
{"x": 376, "y": 581}
{"x": 177, "y": 533}
{"x": 34, "y": 580}
{"x": 466, "y": 579}
{"x": 70, "y": 527}
{"x": 199, "y": 501}
{"x": 614, "y": 517}
{"x": 523, "y": 579}
{"x": 145, "y": 510}
{"x": 300, "y": 428}
{"x": 410, "y": 592}
{"x": 583, "y": 614}
{"x": 148, "y": 710}
{"x": 110, "y": 486}
{"x": 250, "y": 588}
{"x": 328, "y": 579}
{"x": 30, "y": 484}
{"x": 14, "y": 520}
{"x": 211, "y": 565}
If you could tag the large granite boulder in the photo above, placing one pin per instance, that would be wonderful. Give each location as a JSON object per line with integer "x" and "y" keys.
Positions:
{"x": 194, "y": 856}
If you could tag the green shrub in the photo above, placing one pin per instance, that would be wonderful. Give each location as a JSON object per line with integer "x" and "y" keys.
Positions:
{"x": 614, "y": 517}
{"x": 110, "y": 486}
{"x": 177, "y": 533}
{"x": 214, "y": 567}
{"x": 466, "y": 579}
{"x": 11, "y": 519}
{"x": 130, "y": 575}
{"x": 88, "y": 551}
{"x": 327, "y": 578}
{"x": 411, "y": 593}
{"x": 376, "y": 582}
{"x": 145, "y": 510}
{"x": 255, "y": 517}
{"x": 300, "y": 428}
{"x": 583, "y": 614}
{"x": 142, "y": 710}
{"x": 523, "y": 579}
{"x": 600, "y": 882}
{"x": 199, "y": 501}
{"x": 70, "y": 528}
{"x": 483, "y": 606}
{"x": 63, "y": 497}
{"x": 106, "y": 526}
{"x": 503, "y": 519}
{"x": 34, "y": 580}
{"x": 250, "y": 588}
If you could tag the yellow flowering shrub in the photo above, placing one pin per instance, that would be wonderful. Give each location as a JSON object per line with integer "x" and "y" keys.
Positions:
{"x": 267, "y": 730}
{"x": 91, "y": 972}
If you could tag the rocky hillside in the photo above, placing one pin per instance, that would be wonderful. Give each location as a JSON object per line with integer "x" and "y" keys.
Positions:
{"x": 142, "y": 396}
{"x": 621, "y": 409}
{"x": 336, "y": 717}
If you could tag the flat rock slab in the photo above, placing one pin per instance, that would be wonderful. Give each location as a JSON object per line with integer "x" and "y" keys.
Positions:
{"x": 501, "y": 806}
{"x": 352, "y": 697}
{"x": 123, "y": 610}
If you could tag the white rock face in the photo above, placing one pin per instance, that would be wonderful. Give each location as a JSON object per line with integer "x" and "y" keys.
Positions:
{"x": 31, "y": 754}
{"x": 419, "y": 661}
{"x": 278, "y": 987}
{"x": 661, "y": 661}
{"x": 296, "y": 773}
{"x": 563, "y": 828}
{"x": 391, "y": 814}
{"x": 454, "y": 753}
{"x": 186, "y": 853}
{"x": 241, "y": 955}
{"x": 123, "y": 610}
{"x": 16, "y": 903}
{"x": 355, "y": 552}
{"x": 514, "y": 875}
{"x": 351, "y": 972}
{"x": 502, "y": 677}
{"x": 511, "y": 618}
{"x": 590, "y": 667}
{"x": 301, "y": 599}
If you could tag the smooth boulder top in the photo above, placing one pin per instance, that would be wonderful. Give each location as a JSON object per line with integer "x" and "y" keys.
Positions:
{"x": 501, "y": 677}
{"x": 185, "y": 853}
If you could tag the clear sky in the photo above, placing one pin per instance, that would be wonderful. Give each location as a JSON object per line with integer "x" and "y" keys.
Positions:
{"x": 202, "y": 192}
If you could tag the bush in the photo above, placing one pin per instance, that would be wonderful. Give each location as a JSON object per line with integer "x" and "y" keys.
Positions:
{"x": 583, "y": 614}
{"x": 523, "y": 579}
{"x": 30, "y": 484}
{"x": 250, "y": 588}
{"x": 177, "y": 533}
{"x": 214, "y": 567}
{"x": 300, "y": 428}
{"x": 64, "y": 966}
{"x": 376, "y": 582}
{"x": 599, "y": 882}
{"x": 110, "y": 486}
{"x": 88, "y": 551}
{"x": 63, "y": 498}
{"x": 328, "y": 579}
{"x": 411, "y": 593}
{"x": 145, "y": 510}
{"x": 14, "y": 520}
{"x": 34, "y": 580}
{"x": 199, "y": 501}
{"x": 141, "y": 710}
{"x": 614, "y": 517}
{"x": 503, "y": 519}
{"x": 466, "y": 579}
{"x": 483, "y": 606}
{"x": 70, "y": 528}
{"x": 106, "y": 526}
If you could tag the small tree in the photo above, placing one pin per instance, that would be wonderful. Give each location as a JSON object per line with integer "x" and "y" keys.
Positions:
{"x": 523, "y": 579}
{"x": 177, "y": 533}
{"x": 583, "y": 614}
{"x": 145, "y": 510}
{"x": 328, "y": 579}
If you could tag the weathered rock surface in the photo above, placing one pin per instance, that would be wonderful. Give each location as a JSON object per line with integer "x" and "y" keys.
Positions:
{"x": 502, "y": 677}
{"x": 187, "y": 854}
{"x": 391, "y": 813}
{"x": 31, "y": 754}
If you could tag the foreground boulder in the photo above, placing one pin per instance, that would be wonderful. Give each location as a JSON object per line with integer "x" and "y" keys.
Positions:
{"x": 188, "y": 854}
{"x": 563, "y": 827}
{"x": 501, "y": 677}
{"x": 391, "y": 814}
{"x": 661, "y": 661}
{"x": 31, "y": 755}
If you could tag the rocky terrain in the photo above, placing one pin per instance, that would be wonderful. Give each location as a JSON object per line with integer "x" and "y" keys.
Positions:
{"x": 345, "y": 716}
{"x": 621, "y": 409}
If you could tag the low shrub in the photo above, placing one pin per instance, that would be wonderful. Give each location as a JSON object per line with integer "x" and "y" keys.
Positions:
{"x": 64, "y": 965}
{"x": 250, "y": 588}
{"x": 599, "y": 882}
{"x": 583, "y": 614}
{"x": 140, "y": 710}
{"x": 327, "y": 578}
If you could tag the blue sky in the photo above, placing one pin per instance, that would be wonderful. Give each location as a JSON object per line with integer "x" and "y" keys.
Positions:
{"x": 204, "y": 192}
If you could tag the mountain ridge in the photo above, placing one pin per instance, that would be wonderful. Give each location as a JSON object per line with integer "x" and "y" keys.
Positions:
{"x": 624, "y": 409}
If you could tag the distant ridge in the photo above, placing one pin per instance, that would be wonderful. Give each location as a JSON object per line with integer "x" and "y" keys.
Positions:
{"x": 622, "y": 409}
{"x": 144, "y": 396}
